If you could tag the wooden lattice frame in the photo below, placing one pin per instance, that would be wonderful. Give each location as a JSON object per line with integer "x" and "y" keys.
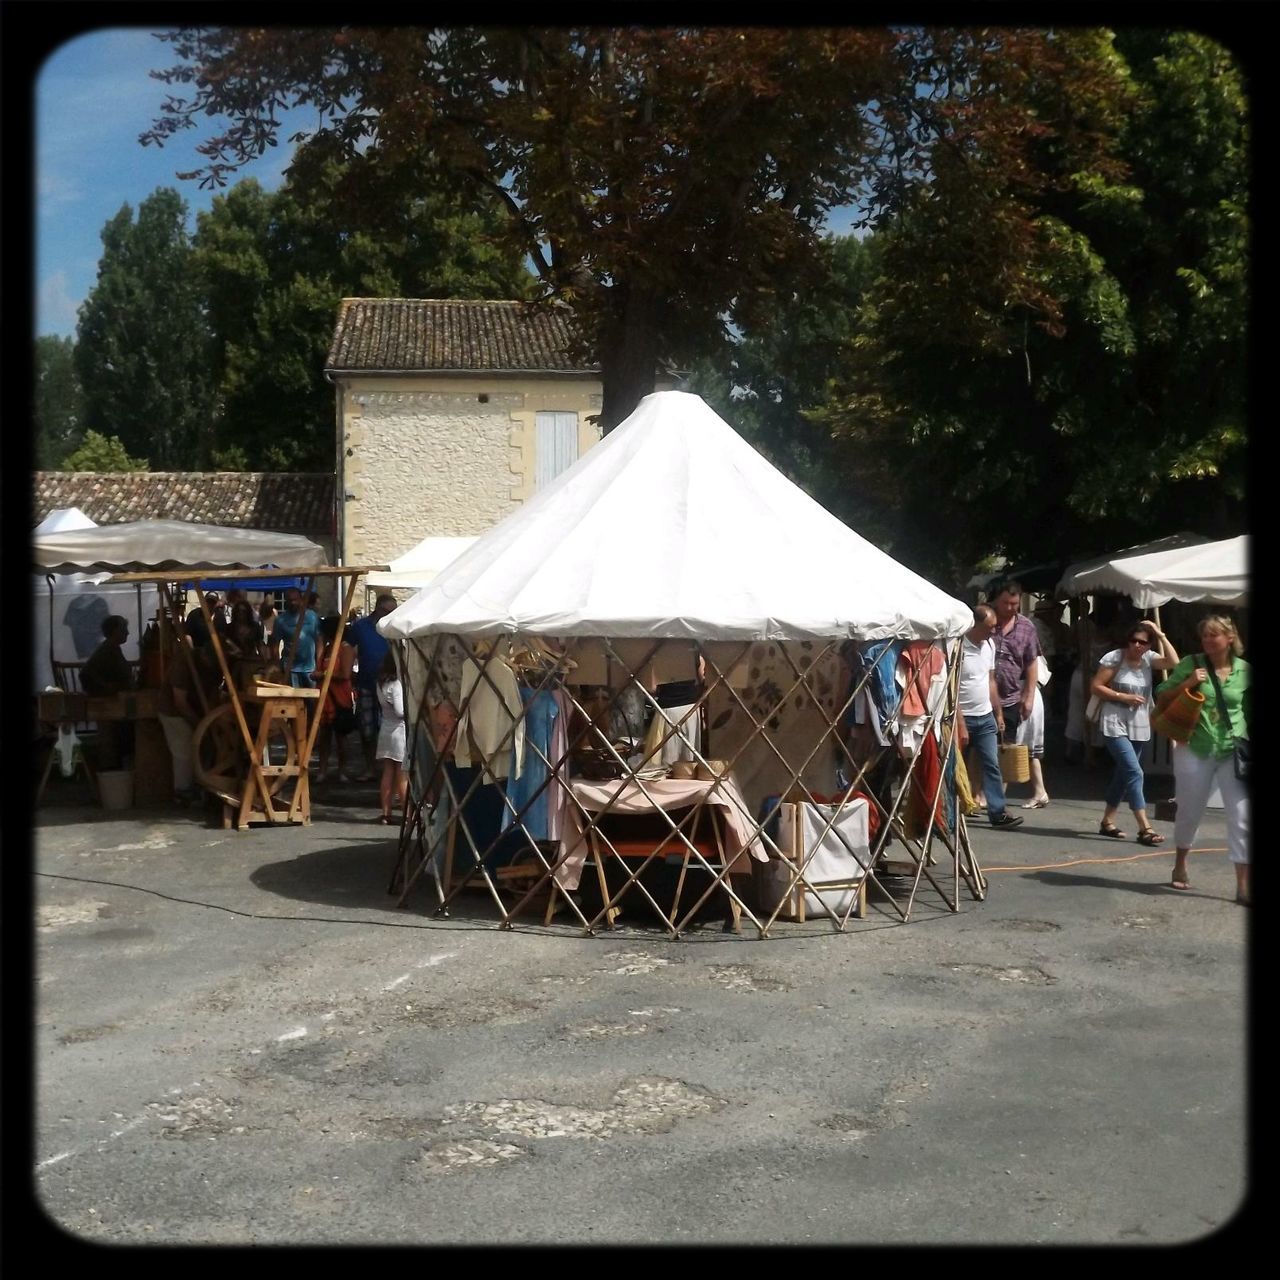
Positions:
{"x": 421, "y": 837}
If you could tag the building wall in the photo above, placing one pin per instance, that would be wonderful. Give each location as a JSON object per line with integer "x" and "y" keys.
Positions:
{"x": 421, "y": 456}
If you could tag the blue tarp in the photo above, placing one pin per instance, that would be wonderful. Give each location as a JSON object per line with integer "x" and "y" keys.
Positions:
{"x": 249, "y": 584}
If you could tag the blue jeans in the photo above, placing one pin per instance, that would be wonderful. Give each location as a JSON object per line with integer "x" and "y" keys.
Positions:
{"x": 986, "y": 738}
{"x": 1126, "y": 781}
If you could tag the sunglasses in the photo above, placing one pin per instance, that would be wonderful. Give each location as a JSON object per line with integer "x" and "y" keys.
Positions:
{"x": 1140, "y": 640}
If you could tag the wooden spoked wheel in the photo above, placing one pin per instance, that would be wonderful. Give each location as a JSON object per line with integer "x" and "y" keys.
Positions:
{"x": 218, "y": 753}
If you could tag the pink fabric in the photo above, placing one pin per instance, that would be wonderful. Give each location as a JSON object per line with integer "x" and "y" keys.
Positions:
{"x": 920, "y": 661}
{"x": 667, "y": 793}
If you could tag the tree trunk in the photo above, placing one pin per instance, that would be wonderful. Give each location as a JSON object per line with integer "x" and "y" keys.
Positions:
{"x": 629, "y": 358}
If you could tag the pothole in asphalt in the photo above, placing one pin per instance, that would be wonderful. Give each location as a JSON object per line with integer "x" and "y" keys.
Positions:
{"x": 1150, "y": 921}
{"x": 471, "y": 1012}
{"x": 1029, "y": 926}
{"x": 737, "y": 977}
{"x": 82, "y": 1035}
{"x": 197, "y": 1117}
{"x": 453, "y": 1157}
{"x": 58, "y": 917}
{"x": 604, "y": 1030}
{"x": 1006, "y": 973}
{"x": 647, "y": 1104}
{"x": 637, "y": 962}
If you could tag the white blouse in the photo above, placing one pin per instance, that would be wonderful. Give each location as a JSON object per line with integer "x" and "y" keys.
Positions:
{"x": 1119, "y": 720}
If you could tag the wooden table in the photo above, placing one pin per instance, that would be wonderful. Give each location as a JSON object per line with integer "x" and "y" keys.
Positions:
{"x": 284, "y": 708}
{"x": 724, "y": 841}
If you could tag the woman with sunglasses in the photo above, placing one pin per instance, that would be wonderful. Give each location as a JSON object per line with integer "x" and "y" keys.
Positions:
{"x": 1223, "y": 678}
{"x": 1123, "y": 683}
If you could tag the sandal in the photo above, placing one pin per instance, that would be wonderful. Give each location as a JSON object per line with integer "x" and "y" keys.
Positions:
{"x": 1110, "y": 829}
{"x": 1150, "y": 837}
{"x": 1182, "y": 881}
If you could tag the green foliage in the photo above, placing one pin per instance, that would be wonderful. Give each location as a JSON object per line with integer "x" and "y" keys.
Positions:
{"x": 142, "y": 349}
{"x": 273, "y": 268}
{"x": 669, "y": 183}
{"x": 59, "y": 404}
{"x": 102, "y": 453}
{"x": 1115, "y": 415}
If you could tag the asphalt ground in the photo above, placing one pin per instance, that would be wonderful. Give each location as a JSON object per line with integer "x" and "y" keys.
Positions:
{"x": 240, "y": 1039}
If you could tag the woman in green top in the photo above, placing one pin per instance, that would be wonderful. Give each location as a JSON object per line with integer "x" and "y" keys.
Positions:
{"x": 1205, "y": 761}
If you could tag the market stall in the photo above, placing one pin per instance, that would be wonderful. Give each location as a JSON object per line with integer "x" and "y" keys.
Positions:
{"x": 248, "y": 724}
{"x": 1185, "y": 568}
{"x": 646, "y": 663}
{"x": 252, "y": 747}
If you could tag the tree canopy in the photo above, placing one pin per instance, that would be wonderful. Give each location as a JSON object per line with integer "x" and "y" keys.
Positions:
{"x": 59, "y": 404}
{"x": 142, "y": 346}
{"x": 1122, "y": 416}
{"x": 664, "y": 181}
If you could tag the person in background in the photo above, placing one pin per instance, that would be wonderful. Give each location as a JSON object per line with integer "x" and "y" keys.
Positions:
{"x": 1123, "y": 682}
{"x": 1031, "y": 735}
{"x": 243, "y": 641}
{"x": 266, "y": 619}
{"x": 371, "y": 650}
{"x": 1205, "y": 761}
{"x": 303, "y": 622}
{"x": 108, "y": 672}
{"x": 1057, "y": 644}
{"x": 1017, "y": 647}
{"x": 218, "y": 612}
{"x": 337, "y": 715}
{"x": 390, "y": 750}
{"x": 982, "y": 715}
{"x": 181, "y": 708}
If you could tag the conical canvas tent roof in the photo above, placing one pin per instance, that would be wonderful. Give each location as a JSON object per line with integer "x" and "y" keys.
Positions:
{"x": 674, "y": 527}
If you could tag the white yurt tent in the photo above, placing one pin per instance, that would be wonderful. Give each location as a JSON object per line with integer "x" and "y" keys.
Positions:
{"x": 670, "y": 542}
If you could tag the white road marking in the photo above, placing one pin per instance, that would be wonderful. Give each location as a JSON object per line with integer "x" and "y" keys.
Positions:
{"x": 431, "y": 961}
{"x": 62, "y": 1155}
{"x": 395, "y": 982}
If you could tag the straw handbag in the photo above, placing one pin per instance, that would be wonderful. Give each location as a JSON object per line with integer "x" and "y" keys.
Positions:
{"x": 1178, "y": 718}
{"x": 1015, "y": 762}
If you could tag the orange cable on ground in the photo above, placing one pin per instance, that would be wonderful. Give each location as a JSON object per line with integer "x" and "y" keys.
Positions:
{"x": 1080, "y": 862}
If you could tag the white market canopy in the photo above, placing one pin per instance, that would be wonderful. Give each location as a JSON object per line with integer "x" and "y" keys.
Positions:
{"x": 420, "y": 564}
{"x": 674, "y": 527}
{"x": 142, "y": 545}
{"x": 1184, "y": 567}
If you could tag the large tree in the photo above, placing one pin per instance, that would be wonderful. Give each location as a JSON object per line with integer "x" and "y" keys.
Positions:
{"x": 667, "y": 183}
{"x": 142, "y": 344}
{"x": 273, "y": 267}
{"x": 59, "y": 407}
{"x": 1121, "y": 416}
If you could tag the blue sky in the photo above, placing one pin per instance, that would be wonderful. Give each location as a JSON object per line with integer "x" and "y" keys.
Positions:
{"x": 93, "y": 98}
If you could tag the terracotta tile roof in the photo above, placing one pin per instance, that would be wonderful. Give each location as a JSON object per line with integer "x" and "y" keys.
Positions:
{"x": 427, "y": 335}
{"x": 280, "y": 501}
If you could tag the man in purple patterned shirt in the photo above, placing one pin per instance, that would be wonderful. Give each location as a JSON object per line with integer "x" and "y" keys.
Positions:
{"x": 1017, "y": 647}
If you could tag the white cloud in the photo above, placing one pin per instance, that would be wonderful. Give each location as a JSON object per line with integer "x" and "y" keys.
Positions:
{"x": 55, "y": 307}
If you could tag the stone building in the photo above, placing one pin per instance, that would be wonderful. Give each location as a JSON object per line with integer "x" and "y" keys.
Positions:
{"x": 450, "y": 414}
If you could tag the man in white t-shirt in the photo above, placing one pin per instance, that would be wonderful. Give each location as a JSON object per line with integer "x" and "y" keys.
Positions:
{"x": 983, "y": 715}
